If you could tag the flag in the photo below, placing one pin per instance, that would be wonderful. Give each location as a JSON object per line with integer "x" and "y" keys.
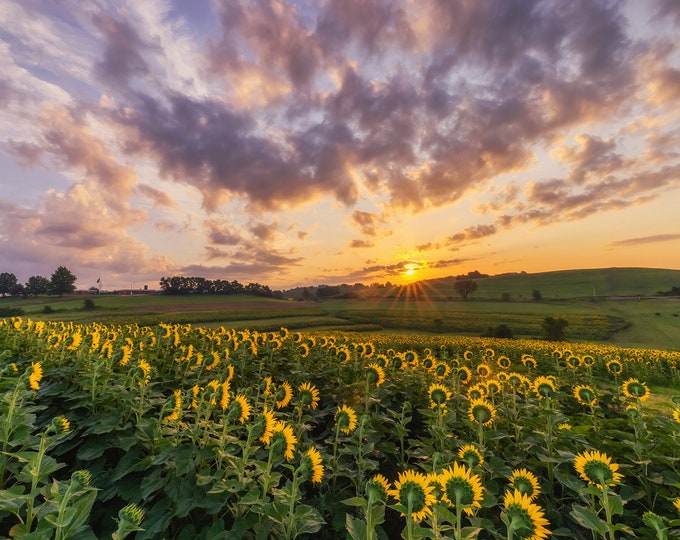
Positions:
{"x": 99, "y": 280}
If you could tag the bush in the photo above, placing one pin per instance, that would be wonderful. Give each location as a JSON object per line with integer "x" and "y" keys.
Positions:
{"x": 554, "y": 328}
{"x": 88, "y": 304}
{"x": 47, "y": 309}
{"x": 11, "y": 312}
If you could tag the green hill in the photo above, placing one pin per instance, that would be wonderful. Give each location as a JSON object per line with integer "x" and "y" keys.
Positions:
{"x": 599, "y": 282}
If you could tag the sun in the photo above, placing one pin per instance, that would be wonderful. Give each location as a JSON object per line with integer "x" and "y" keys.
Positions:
{"x": 410, "y": 269}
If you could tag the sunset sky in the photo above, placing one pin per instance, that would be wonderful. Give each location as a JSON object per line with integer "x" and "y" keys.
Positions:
{"x": 327, "y": 141}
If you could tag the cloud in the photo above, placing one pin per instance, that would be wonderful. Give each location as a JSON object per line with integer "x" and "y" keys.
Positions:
{"x": 653, "y": 239}
{"x": 159, "y": 198}
{"x": 472, "y": 233}
{"x": 361, "y": 244}
{"x": 123, "y": 58}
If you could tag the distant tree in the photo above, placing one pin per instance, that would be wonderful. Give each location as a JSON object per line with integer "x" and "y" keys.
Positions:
{"x": 88, "y": 304}
{"x": 554, "y": 328}
{"x": 506, "y": 297}
{"x": 62, "y": 281}
{"x": 37, "y": 285}
{"x": 19, "y": 290}
{"x": 465, "y": 287}
{"x": 536, "y": 295}
{"x": 7, "y": 283}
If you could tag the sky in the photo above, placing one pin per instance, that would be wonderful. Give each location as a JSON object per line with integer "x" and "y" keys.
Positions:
{"x": 306, "y": 142}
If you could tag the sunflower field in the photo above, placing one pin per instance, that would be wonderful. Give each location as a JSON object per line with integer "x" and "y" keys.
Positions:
{"x": 184, "y": 432}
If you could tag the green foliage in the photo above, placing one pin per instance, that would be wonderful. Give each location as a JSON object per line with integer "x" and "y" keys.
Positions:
{"x": 465, "y": 287}
{"x": 62, "y": 281}
{"x": 7, "y": 283}
{"x": 554, "y": 328}
{"x": 170, "y": 458}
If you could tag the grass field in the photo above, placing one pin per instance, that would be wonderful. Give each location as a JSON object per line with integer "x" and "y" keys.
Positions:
{"x": 621, "y": 317}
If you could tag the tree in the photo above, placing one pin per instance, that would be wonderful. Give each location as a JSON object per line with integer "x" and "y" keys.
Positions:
{"x": 554, "y": 328}
{"x": 62, "y": 282}
{"x": 536, "y": 294}
{"x": 465, "y": 287}
{"x": 37, "y": 285}
{"x": 7, "y": 283}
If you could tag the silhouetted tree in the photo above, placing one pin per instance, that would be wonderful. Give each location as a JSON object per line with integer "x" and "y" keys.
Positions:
{"x": 465, "y": 287}
{"x": 536, "y": 295}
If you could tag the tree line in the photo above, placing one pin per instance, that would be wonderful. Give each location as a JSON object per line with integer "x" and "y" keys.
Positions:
{"x": 200, "y": 285}
{"x": 61, "y": 282}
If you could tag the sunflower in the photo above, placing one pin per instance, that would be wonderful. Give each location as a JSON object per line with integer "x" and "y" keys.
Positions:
{"x": 544, "y": 386}
{"x": 413, "y": 491}
{"x": 478, "y": 391}
{"x": 381, "y": 360}
{"x": 61, "y": 425}
{"x": 484, "y": 370}
{"x": 525, "y": 482}
{"x": 265, "y": 426}
{"x": 283, "y": 440}
{"x": 574, "y": 362}
{"x": 529, "y": 362}
{"x": 471, "y": 455}
{"x": 375, "y": 374}
{"x": 503, "y": 362}
{"x": 585, "y": 394}
{"x": 312, "y": 465}
{"x": 460, "y": 486}
{"x": 481, "y": 411}
{"x": 633, "y": 388}
{"x": 303, "y": 350}
{"x": 439, "y": 395}
{"x": 240, "y": 408}
{"x": 309, "y": 395}
{"x": 344, "y": 355}
{"x": 378, "y": 488}
{"x": 676, "y": 415}
{"x": 346, "y": 419}
{"x": 597, "y": 468}
{"x": 493, "y": 386}
{"x": 267, "y": 386}
{"x": 411, "y": 357}
{"x": 464, "y": 374}
{"x": 526, "y": 519}
{"x": 441, "y": 370}
{"x": 35, "y": 376}
{"x": 283, "y": 395}
{"x": 614, "y": 367}
{"x": 564, "y": 427}
{"x": 676, "y": 503}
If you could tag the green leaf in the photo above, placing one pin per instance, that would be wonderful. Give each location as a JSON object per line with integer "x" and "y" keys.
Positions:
{"x": 588, "y": 519}
{"x": 359, "y": 502}
{"x": 307, "y": 519}
{"x": 355, "y": 528}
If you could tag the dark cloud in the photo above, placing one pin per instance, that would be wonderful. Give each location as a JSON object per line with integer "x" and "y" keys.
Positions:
{"x": 215, "y": 149}
{"x": 273, "y": 37}
{"x": 645, "y": 240}
{"x": 361, "y": 244}
{"x": 668, "y": 9}
{"x": 472, "y": 233}
{"x": 265, "y": 232}
{"x": 374, "y": 25}
{"x": 595, "y": 156}
{"x": 222, "y": 235}
{"x": 123, "y": 53}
